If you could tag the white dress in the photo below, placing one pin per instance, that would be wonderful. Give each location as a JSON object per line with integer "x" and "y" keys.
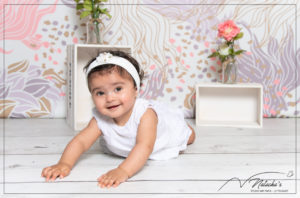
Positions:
{"x": 172, "y": 131}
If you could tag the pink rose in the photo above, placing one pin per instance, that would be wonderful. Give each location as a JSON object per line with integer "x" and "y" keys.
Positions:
{"x": 228, "y": 30}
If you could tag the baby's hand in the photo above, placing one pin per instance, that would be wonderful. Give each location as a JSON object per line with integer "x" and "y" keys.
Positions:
{"x": 113, "y": 178}
{"x": 59, "y": 170}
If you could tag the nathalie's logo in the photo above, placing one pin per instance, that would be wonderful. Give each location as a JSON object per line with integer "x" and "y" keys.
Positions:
{"x": 263, "y": 182}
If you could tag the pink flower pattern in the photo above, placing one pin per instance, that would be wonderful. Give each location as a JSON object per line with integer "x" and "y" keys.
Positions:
{"x": 21, "y": 22}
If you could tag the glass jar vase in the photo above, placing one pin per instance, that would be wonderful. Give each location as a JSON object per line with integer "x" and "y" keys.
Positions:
{"x": 93, "y": 28}
{"x": 229, "y": 71}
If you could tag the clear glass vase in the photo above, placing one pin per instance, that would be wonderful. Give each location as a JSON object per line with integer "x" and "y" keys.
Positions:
{"x": 93, "y": 28}
{"x": 229, "y": 71}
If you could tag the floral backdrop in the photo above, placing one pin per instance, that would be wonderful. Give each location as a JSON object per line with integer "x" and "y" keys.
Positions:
{"x": 170, "y": 38}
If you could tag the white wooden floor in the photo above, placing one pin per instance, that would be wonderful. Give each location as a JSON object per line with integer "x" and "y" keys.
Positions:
{"x": 223, "y": 162}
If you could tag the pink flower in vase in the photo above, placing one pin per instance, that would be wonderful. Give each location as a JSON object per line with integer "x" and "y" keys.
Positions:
{"x": 228, "y": 30}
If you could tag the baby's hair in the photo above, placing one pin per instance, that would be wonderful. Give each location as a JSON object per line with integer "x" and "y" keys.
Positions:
{"x": 103, "y": 69}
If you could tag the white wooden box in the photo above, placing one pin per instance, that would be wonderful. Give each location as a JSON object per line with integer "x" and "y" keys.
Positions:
{"x": 236, "y": 105}
{"x": 79, "y": 101}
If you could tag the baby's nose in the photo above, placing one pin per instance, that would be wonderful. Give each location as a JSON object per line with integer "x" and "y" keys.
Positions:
{"x": 110, "y": 96}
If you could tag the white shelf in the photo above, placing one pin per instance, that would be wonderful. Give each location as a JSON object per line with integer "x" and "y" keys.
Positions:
{"x": 235, "y": 105}
{"x": 80, "y": 104}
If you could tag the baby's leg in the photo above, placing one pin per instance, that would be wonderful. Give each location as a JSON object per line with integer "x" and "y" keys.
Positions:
{"x": 192, "y": 136}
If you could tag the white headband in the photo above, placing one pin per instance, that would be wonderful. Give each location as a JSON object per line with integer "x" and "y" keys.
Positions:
{"x": 107, "y": 58}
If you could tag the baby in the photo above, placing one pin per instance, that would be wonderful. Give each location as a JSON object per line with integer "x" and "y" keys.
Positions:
{"x": 131, "y": 127}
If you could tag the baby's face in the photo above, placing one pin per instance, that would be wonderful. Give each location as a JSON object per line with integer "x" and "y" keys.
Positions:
{"x": 113, "y": 95}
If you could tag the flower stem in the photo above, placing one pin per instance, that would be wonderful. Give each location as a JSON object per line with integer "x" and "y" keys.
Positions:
{"x": 97, "y": 31}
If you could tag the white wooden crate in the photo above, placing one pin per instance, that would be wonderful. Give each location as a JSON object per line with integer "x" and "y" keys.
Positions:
{"x": 79, "y": 101}
{"x": 236, "y": 105}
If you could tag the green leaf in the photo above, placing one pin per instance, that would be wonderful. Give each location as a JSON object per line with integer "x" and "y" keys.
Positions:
{"x": 87, "y": 3}
{"x": 99, "y": 1}
{"x": 239, "y": 35}
{"x": 79, "y": 6}
{"x": 228, "y": 43}
{"x": 222, "y": 58}
{"x": 91, "y": 7}
{"x": 239, "y": 52}
{"x": 107, "y": 14}
{"x": 104, "y": 11}
{"x": 101, "y": 10}
{"x": 214, "y": 55}
{"x": 88, "y": 7}
{"x": 84, "y": 14}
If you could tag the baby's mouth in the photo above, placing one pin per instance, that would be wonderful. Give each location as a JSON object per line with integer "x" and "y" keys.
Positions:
{"x": 113, "y": 106}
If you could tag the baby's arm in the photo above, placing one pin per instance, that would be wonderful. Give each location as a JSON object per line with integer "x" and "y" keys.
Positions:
{"x": 138, "y": 156}
{"x": 79, "y": 144}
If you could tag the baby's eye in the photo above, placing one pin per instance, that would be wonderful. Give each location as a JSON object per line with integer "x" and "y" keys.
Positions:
{"x": 118, "y": 89}
{"x": 100, "y": 93}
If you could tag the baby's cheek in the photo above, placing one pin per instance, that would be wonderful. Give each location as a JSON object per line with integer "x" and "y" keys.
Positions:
{"x": 127, "y": 98}
{"x": 99, "y": 106}
{"x": 124, "y": 97}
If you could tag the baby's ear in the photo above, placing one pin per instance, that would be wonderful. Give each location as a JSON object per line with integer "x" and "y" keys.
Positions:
{"x": 136, "y": 92}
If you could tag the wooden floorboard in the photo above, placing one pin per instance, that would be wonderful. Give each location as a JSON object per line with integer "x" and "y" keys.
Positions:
{"x": 201, "y": 166}
{"x": 184, "y": 174}
{"x": 218, "y": 155}
{"x": 203, "y": 144}
{"x": 58, "y": 127}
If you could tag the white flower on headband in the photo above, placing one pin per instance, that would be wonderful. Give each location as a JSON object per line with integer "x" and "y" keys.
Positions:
{"x": 104, "y": 57}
